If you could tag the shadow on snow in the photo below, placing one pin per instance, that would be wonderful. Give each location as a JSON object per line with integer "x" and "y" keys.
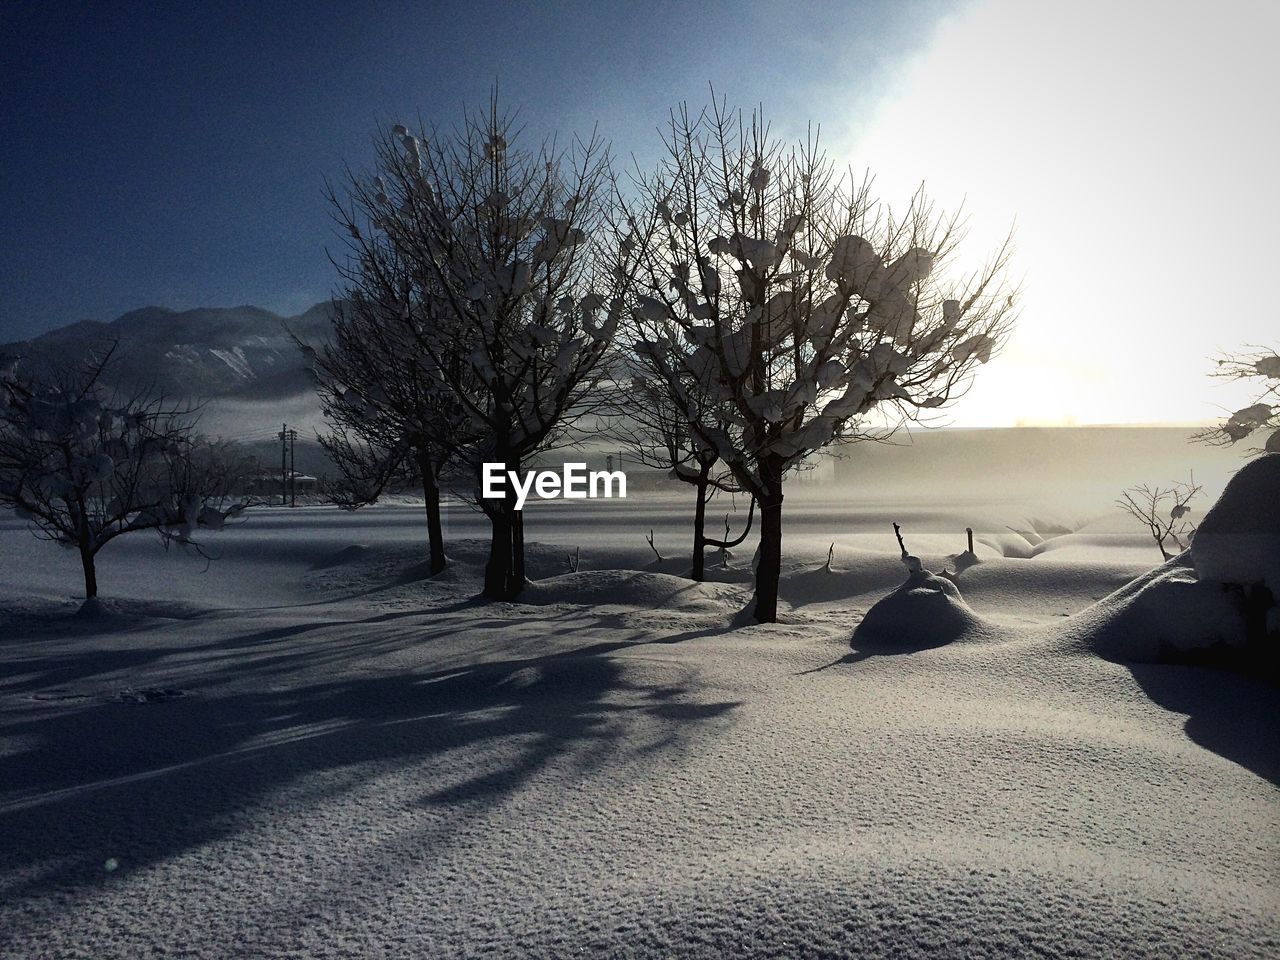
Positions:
{"x": 146, "y": 783}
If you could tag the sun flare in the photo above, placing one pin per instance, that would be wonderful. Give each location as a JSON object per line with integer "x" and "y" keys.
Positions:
{"x": 1122, "y": 142}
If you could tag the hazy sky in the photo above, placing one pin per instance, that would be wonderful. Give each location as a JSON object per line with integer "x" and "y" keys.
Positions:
{"x": 177, "y": 156}
{"x": 1136, "y": 145}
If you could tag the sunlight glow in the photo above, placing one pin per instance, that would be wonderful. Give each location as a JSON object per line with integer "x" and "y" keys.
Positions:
{"x": 1135, "y": 148}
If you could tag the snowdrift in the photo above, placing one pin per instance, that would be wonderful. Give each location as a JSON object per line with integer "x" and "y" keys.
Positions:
{"x": 1239, "y": 539}
{"x": 1215, "y": 601}
{"x": 926, "y": 611}
{"x": 1166, "y": 615}
{"x": 630, "y": 588}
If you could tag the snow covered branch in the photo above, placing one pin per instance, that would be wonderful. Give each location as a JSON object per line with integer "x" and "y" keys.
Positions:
{"x": 779, "y": 306}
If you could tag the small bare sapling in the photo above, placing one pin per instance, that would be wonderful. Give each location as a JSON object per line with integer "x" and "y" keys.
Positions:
{"x": 913, "y": 564}
{"x": 1164, "y": 511}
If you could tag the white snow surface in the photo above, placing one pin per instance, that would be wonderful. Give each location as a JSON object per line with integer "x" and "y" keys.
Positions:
{"x": 309, "y": 750}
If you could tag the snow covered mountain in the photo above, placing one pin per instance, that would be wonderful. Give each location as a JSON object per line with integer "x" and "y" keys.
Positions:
{"x": 209, "y": 352}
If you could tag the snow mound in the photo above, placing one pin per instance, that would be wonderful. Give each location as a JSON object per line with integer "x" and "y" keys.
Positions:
{"x": 1201, "y": 606}
{"x": 1166, "y": 614}
{"x": 1011, "y": 544}
{"x": 632, "y": 588}
{"x": 926, "y": 611}
{"x": 1239, "y": 539}
{"x": 853, "y": 573}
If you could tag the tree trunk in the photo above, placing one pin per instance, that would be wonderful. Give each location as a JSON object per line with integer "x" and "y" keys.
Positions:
{"x": 504, "y": 573}
{"x": 517, "y": 552}
{"x": 90, "y": 574}
{"x": 497, "y": 571}
{"x": 431, "y": 495}
{"x": 769, "y": 568}
{"x": 699, "y": 528}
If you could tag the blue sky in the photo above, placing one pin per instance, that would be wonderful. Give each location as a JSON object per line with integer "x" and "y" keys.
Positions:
{"x": 175, "y": 154}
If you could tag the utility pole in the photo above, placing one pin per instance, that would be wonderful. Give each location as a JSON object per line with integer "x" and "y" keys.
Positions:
{"x": 293, "y": 473}
{"x": 284, "y": 475}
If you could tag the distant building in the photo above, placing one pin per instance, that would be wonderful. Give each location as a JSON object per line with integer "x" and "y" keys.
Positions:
{"x": 273, "y": 484}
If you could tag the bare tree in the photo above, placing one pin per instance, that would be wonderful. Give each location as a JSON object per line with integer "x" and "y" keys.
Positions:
{"x": 1164, "y": 511}
{"x": 798, "y": 304}
{"x": 366, "y": 470}
{"x": 220, "y": 468}
{"x": 1262, "y": 364}
{"x": 656, "y": 428}
{"x": 84, "y": 465}
{"x": 391, "y": 412}
{"x": 525, "y": 287}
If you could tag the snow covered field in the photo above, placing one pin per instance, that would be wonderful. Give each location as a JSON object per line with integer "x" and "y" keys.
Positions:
{"x": 307, "y": 750}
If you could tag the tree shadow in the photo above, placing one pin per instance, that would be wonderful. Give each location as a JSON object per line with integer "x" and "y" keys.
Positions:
{"x": 144, "y": 783}
{"x": 1234, "y": 716}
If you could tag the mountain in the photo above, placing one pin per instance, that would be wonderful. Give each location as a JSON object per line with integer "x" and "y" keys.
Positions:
{"x": 209, "y": 352}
